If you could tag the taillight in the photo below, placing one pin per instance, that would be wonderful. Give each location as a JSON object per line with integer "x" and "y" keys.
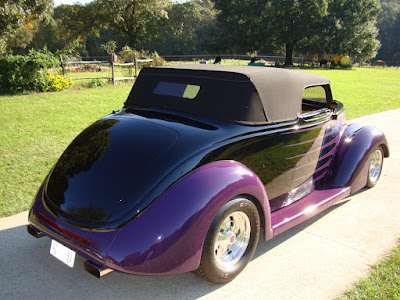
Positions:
{"x": 64, "y": 231}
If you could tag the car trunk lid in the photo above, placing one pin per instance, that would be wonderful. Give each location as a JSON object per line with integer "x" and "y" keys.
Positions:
{"x": 112, "y": 155}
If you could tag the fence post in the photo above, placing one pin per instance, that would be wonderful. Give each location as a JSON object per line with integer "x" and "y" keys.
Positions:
{"x": 134, "y": 53}
{"x": 112, "y": 68}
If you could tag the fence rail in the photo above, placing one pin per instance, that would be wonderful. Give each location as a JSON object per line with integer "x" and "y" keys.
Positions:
{"x": 110, "y": 63}
{"x": 131, "y": 68}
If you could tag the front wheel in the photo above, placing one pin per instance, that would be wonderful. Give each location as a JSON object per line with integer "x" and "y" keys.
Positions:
{"x": 375, "y": 167}
{"x": 230, "y": 242}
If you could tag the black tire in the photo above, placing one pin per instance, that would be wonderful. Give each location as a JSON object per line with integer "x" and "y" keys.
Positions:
{"x": 217, "y": 265}
{"x": 375, "y": 165}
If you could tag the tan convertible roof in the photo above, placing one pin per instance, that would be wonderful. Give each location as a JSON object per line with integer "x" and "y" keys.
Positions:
{"x": 279, "y": 91}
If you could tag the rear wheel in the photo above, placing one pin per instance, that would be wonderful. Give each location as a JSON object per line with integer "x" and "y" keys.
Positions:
{"x": 230, "y": 242}
{"x": 375, "y": 167}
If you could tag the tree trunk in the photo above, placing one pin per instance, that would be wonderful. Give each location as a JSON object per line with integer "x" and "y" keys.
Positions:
{"x": 132, "y": 39}
{"x": 289, "y": 55}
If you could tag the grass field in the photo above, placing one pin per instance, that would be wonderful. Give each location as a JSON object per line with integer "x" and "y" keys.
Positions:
{"x": 365, "y": 90}
{"x": 36, "y": 128}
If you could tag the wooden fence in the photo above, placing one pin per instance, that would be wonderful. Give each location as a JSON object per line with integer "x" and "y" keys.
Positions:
{"x": 111, "y": 62}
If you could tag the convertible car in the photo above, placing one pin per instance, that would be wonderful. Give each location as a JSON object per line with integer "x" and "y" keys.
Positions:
{"x": 201, "y": 157}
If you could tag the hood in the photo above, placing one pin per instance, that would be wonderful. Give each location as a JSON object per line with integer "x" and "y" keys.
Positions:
{"x": 114, "y": 154}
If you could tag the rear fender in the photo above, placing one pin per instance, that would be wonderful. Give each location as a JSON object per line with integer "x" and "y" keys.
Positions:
{"x": 168, "y": 236}
{"x": 350, "y": 166}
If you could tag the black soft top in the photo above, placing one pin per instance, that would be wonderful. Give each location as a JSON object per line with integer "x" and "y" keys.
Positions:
{"x": 245, "y": 94}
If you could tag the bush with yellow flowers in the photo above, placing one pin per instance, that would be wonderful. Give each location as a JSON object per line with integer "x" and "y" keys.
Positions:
{"x": 57, "y": 83}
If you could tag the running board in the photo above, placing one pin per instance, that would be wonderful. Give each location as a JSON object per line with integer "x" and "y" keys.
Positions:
{"x": 306, "y": 207}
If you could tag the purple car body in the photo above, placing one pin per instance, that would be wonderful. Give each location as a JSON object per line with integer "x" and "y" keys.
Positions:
{"x": 184, "y": 185}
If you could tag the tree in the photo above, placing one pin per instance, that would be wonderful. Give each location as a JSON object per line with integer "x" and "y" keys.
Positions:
{"x": 269, "y": 25}
{"x": 291, "y": 22}
{"x": 23, "y": 37}
{"x": 341, "y": 26}
{"x": 18, "y": 14}
{"x": 69, "y": 23}
{"x": 75, "y": 21}
{"x": 186, "y": 31}
{"x": 352, "y": 27}
{"x": 241, "y": 26}
{"x": 132, "y": 17}
{"x": 389, "y": 28}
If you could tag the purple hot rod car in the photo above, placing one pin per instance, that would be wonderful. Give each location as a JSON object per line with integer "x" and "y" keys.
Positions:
{"x": 201, "y": 157}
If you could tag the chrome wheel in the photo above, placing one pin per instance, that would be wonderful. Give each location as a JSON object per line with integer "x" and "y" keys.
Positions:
{"x": 232, "y": 240}
{"x": 375, "y": 166}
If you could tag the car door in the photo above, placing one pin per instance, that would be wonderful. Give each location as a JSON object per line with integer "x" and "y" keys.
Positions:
{"x": 289, "y": 157}
{"x": 318, "y": 135}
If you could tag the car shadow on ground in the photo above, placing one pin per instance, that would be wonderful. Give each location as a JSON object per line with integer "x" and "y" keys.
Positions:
{"x": 28, "y": 270}
{"x": 265, "y": 246}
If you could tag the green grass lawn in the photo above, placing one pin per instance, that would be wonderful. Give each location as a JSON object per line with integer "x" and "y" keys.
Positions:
{"x": 364, "y": 90}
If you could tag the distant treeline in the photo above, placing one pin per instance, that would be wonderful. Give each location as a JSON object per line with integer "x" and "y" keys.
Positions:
{"x": 363, "y": 29}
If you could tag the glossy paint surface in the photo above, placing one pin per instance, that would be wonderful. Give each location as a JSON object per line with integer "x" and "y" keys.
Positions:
{"x": 152, "y": 181}
{"x": 350, "y": 166}
{"x": 171, "y": 242}
{"x": 99, "y": 241}
{"x": 125, "y": 170}
{"x": 305, "y": 208}
{"x": 167, "y": 245}
{"x": 90, "y": 179}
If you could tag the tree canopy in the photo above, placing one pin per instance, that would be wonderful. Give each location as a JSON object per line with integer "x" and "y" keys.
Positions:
{"x": 185, "y": 31}
{"x": 19, "y": 14}
{"x": 132, "y": 18}
{"x": 293, "y": 22}
{"x": 389, "y": 30}
{"x": 290, "y": 27}
{"x": 353, "y": 27}
{"x": 342, "y": 26}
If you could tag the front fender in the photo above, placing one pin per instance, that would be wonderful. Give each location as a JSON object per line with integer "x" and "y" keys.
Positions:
{"x": 167, "y": 238}
{"x": 350, "y": 165}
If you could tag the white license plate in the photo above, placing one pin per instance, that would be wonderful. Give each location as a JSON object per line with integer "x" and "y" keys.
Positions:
{"x": 59, "y": 251}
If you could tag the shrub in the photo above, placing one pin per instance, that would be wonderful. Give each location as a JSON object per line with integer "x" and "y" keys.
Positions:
{"x": 157, "y": 59}
{"x": 128, "y": 55}
{"x": 19, "y": 74}
{"x": 95, "y": 83}
{"x": 57, "y": 83}
{"x": 91, "y": 68}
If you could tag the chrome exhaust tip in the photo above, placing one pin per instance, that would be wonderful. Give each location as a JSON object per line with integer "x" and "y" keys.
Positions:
{"x": 95, "y": 269}
{"x": 35, "y": 232}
